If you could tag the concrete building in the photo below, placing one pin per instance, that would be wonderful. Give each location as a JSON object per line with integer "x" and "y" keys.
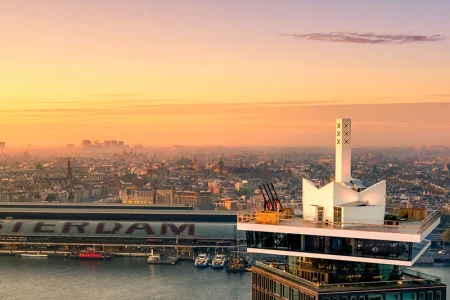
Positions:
{"x": 134, "y": 196}
{"x": 343, "y": 247}
{"x": 165, "y": 197}
{"x": 86, "y": 143}
{"x": 198, "y": 200}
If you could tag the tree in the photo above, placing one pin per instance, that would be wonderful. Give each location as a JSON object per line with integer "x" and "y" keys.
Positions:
{"x": 51, "y": 197}
{"x": 244, "y": 192}
{"x": 39, "y": 167}
{"x": 445, "y": 237}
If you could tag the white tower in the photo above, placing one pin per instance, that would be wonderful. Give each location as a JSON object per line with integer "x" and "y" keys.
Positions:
{"x": 343, "y": 150}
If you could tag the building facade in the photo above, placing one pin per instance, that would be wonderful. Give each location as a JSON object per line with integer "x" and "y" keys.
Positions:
{"x": 165, "y": 197}
{"x": 198, "y": 200}
{"x": 342, "y": 248}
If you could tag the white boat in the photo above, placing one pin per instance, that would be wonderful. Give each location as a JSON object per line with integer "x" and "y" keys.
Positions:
{"x": 201, "y": 261}
{"x": 153, "y": 257}
{"x": 33, "y": 255}
{"x": 219, "y": 261}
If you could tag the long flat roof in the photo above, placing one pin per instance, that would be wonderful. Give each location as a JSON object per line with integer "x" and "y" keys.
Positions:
{"x": 112, "y": 213}
{"x": 95, "y": 206}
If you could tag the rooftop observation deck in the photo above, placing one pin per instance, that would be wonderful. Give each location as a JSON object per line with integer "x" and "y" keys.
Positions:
{"x": 410, "y": 278}
{"x": 402, "y": 230}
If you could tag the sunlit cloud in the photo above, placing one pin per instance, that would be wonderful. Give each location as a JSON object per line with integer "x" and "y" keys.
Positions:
{"x": 367, "y": 37}
{"x": 440, "y": 95}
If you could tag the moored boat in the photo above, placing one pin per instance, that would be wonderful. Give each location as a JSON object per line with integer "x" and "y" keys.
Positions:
{"x": 92, "y": 254}
{"x": 153, "y": 258}
{"x": 236, "y": 266}
{"x": 37, "y": 255}
{"x": 219, "y": 261}
{"x": 201, "y": 261}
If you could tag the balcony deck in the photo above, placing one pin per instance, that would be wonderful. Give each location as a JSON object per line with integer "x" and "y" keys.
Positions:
{"x": 407, "y": 230}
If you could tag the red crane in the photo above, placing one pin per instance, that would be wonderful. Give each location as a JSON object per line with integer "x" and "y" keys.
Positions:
{"x": 272, "y": 202}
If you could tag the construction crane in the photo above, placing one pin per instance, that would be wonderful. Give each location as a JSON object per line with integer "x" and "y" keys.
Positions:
{"x": 272, "y": 202}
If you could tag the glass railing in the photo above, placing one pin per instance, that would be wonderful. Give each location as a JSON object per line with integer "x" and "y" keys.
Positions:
{"x": 406, "y": 226}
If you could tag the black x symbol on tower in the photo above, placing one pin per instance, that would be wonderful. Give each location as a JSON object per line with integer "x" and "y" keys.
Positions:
{"x": 338, "y": 141}
{"x": 338, "y": 133}
{"x": 338, "y": 125}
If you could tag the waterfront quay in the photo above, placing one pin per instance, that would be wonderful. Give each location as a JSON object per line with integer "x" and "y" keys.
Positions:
{"x": 61, "y": 229}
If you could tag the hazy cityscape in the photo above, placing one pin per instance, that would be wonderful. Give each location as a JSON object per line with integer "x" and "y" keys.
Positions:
{"x": 185, "y": 149}
{"x": 213, "y": 178}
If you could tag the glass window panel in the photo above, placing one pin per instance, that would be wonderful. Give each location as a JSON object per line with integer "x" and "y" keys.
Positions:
{"x": 409, "y": 296}
{"x": 421, "y": 296}
{"x": 285, "y": 292}
{"x": 438, "y": 295}
{"x": 392, "y": 296}
{"x": 277, "y": 288}
{"x": 429, "y": 295}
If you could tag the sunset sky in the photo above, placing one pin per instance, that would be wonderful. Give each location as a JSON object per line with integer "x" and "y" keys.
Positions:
{"x": 224, "y": 72}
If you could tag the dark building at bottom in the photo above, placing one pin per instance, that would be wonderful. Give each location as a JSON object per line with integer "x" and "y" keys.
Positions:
{"x": 269, "y": 282}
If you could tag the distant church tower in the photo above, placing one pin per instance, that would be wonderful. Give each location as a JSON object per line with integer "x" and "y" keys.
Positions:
{"x": 69, "y": 170}
{"x": 221, "y": 165}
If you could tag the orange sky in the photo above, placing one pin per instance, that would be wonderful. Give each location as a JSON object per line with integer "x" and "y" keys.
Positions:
{"x": 185, "y": 72}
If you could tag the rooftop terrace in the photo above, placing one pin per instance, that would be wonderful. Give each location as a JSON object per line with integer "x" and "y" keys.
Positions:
{"x": 403, "y": 230}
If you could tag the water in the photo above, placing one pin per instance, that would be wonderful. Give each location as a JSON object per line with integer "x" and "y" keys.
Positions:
{"x": 439, "y": 270}
{"x": 120, "y": 278}
{"x": 128, "y": 278}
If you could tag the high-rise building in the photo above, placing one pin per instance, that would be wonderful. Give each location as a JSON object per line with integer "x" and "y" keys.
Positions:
{"x": 342, "y": 248}
{"x": 2, "y": 146}
{"x": 86, "y": 143}
{"x": 69, "y": 170}
{"x": 107, "y": 144}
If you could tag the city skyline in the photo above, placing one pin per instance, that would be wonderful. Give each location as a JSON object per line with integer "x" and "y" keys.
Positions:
{"x": 234, "y": 74}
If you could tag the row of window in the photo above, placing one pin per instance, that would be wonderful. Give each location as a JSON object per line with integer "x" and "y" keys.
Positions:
{"x": 267, "y": 289}
{"x": 429, "y": 295}
{"x": 264, "y": 288}
{"x": 333, "y": 245}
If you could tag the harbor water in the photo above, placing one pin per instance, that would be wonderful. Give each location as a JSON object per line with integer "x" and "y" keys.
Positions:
{"x": 127, "y": 278}
{"x": 121, "y": 278}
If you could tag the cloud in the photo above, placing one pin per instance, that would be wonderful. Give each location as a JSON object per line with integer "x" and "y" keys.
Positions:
{"x": 116, "y": 95}
{"x": 440, "y": 95}
{"x": 367, "y": 37}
